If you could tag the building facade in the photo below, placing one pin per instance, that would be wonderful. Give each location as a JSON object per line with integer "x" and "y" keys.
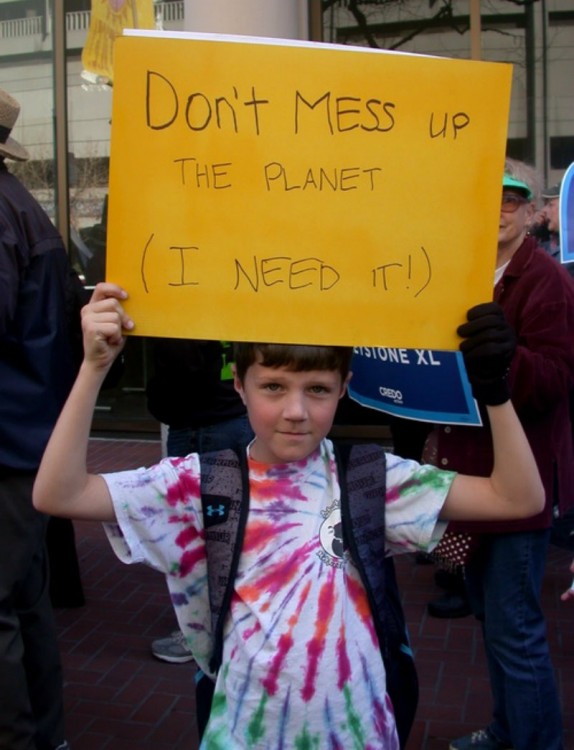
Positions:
{"x": 536, "y": 37}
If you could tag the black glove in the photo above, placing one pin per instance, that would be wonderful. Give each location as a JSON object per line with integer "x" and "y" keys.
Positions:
{"x": 488, "y": 347}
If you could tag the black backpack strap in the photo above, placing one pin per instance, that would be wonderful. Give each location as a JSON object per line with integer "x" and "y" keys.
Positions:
{"x": 402, "y": 677}
{"x": 362, "y": 479}
{"x": 225, "y": 504}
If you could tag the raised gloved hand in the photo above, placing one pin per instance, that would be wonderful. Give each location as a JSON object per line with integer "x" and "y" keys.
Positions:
{"x": 488, "y": 348}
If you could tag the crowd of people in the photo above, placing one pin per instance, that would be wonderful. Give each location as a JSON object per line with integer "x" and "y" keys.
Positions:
{"x": 300, "y": 637}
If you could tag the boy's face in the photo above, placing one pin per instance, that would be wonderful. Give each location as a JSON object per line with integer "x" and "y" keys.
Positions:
{"x": 290, "y": 412}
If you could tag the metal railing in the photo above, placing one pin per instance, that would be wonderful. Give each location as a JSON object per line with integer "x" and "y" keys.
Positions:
{"x": 79, "y": 20}
{"x": 171, "y": 12}
{"x": 19, "y": 27}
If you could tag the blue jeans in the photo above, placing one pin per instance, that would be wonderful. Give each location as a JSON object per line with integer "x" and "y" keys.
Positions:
{"x": 504, "y": 583}
{"x": 233, "y": 433}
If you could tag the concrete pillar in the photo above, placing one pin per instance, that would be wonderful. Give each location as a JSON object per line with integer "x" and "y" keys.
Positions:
{"x": 283, "y": 19}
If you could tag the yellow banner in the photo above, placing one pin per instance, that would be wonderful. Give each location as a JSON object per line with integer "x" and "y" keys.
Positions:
{"x": 108, "y": 19}
{"x": 303, "y": 193}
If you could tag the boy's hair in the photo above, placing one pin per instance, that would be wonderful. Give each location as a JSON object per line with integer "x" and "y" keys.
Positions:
{"x": 296, "y": 357}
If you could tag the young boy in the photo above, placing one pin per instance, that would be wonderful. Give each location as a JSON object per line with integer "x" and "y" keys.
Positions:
{"x": 301, "y": 661}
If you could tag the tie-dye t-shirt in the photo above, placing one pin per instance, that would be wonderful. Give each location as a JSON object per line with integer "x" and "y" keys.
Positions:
{"x": 301, "y": 663}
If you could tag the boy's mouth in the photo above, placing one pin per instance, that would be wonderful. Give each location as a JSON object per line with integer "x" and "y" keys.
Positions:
{"x": 294, "y": 433}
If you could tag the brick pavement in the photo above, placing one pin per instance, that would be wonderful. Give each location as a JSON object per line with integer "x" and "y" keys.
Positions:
{"x": 118, "y": 697}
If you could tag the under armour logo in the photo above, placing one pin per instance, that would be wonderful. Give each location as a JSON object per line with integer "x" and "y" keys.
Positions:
{"x": 212, "y": 510}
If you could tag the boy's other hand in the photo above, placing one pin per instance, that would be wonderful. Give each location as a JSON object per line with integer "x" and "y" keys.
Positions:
{"x": 488, "y": 348}
{"x": 103, "y": 325}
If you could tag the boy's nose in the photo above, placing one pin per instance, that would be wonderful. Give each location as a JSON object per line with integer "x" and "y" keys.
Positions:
{"x": 295, "y": 408}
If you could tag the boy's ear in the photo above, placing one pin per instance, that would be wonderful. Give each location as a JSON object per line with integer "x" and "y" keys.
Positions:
{"x": 237, "y": 384}
{"x": 345, "y": 384}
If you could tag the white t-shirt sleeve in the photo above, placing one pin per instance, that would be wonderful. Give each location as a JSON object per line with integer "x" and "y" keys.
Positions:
{"x": 158, "y": 512}
{"x": 414, "y": 498}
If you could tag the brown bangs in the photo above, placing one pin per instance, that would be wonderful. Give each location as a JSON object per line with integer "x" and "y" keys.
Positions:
{"x": 296, "y": 357}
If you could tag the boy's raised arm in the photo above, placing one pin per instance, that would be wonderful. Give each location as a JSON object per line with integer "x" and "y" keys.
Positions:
{"x": 514, "y": 489}
{"x": 63, "y": 486}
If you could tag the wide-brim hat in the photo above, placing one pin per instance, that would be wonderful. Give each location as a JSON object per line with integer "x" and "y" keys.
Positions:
{"x": 9, "y": 111}
{"x": 552, "y": 191}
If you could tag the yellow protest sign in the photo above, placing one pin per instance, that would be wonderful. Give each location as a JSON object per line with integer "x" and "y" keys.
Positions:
{"x": 303, "y": 193}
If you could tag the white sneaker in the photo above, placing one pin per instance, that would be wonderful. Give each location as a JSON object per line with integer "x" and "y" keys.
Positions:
{"x": 173, "y": 649}
{"x": 482, "y": 739}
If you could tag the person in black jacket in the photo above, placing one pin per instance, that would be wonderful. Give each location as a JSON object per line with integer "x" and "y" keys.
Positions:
{"x": 37, "y": 288}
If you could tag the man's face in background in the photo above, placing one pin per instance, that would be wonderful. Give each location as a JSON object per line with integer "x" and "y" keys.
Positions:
{"x": 551, "y": 214}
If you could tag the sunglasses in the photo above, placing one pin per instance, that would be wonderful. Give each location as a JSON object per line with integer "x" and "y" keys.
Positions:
{"x": 511, "y": 202}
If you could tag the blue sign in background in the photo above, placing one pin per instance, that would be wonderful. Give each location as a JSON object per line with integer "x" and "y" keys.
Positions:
{"x": 422, "y": 384}
{"x": 567, "y": 216}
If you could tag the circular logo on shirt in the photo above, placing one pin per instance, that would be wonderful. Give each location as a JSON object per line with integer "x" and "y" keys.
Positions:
{"x": 331, "y": 537}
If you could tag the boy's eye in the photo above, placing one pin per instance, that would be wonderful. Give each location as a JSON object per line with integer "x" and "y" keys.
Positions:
{"x": 271, "y": 387}
{"x": 319, "y": 389}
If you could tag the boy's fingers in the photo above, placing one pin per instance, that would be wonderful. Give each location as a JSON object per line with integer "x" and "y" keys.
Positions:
{"x": 108, "y": 325}
{"x": 107, "y": 306}
{"x": 105, "y": 290}
{"x": 108, "y": 333}
{"x": 127, "y": 322}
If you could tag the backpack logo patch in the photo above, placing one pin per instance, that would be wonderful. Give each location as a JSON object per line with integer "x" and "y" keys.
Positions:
{"x": 215, "y": 509}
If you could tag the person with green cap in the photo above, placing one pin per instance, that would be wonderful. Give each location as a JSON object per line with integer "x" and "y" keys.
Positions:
{"x": 504, "y": 576}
